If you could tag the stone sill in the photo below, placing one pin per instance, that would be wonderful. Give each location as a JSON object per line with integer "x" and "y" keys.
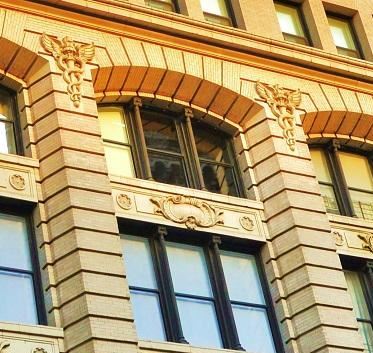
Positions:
{"x": 19, "y": 160}
{"x": 32, "y": 330}
{"x": 350, "y": 221}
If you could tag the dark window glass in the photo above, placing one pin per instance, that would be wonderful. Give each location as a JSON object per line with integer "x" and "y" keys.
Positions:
{"x": 166, "y": 5}
{"x": 187, "y": 277}
{"x": 7, "y": 121}
{"x": 17, "y": 294}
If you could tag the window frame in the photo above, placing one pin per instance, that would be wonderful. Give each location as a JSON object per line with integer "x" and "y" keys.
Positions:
{"x": 174, "y": 4}
{"x": 339, "y": 184}
{"x": 211, "y": 244}
{"x": 353, "y": 33}
{"x": 185, "y": 135}
{"x": 15, "y": 121}
{"x": 24, "y": 212}
{"x": 302, "y": 19}
{"x": 231, "y": 18}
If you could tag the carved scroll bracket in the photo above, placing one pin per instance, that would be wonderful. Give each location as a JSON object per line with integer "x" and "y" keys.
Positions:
{"x": 187, "y": 210}
{"x": 282, "y": 104}
{"x": 3, "y": 346}
{"x": 367, "y": 241}
{"x": 71, "y": 59}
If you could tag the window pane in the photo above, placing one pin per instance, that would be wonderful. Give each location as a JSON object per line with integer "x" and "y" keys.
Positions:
{"x": 188, "y": 269}
{"x": 241, "y": 276}
{"x": 253, "y": 329}
{"x": 320, "y": 165}
{"x": 148, "y": 316}
{"x": 17, "y": 300}
{"x": 288, "y": 18}
{"x": 362, "y": 203}
{"x": 350, "y": 164}
{"x": 7, "y": 140}
{"x": 166, "y": 5}
{"x": 366, "y": 331}
{"x": 167, "y": 169}
{"x": 199, "y": 323}
{"x": 160, "y": 132}
{"x": 14, "y": 249}
{"x": 6, "y": 111}
{"x": 219, "y": 179}
{"x": 119, "y": 160}
{"x": 341, "y": 33}
{"x": 356, "y": 291}
{"x": 330, "y": 201}
{"x": 138, "y": 261}
{"x": 216, "y": 7}
{"x": 112, "y": 124}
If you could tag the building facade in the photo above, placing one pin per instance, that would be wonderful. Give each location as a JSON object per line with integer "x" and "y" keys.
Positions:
{"x": 186, "y": 176}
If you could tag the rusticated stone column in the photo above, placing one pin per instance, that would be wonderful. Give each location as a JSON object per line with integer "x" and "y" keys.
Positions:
{"x": 303, "y": 269}
{"x": 83, "y": 276}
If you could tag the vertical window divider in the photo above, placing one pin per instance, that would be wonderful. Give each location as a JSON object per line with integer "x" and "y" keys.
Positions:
{"x": 167, "y": 294}
{"x": 143, "y": 153}
{"x": 188, "y": 113}
{"x": 368, "y": 281}
{"x": 223, "y": 305}
{"x": 340, "y": 180}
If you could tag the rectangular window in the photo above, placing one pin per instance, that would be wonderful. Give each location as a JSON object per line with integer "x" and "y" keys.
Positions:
{"x": 7, "y": 123}
{"x": 356, "y": 285}
{"x": 291, "y": 23}
{"x": 190, "y": 288}
{"x": 217, "y": 11}
{"x": 166, "y": 5}
{"x": 343, "y": 36}
{"x": 18, "y": 302}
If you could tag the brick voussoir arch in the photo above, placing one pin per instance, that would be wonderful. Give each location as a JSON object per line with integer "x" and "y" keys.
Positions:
{"x": 223, "y": 106}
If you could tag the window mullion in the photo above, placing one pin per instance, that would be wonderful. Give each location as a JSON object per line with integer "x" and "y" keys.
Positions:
{"x": 368, "y": 281}
{"x": 143, "y": 153}
{"x": 340, "y": 181}
{"x": 223, "y": 304}
{"x": 194, "y": 154}
{"x": 167, "y": 295}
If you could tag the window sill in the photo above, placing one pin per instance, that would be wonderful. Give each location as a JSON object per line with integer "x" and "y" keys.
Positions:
{"x": 351, "y": 221}
{"x": 155, "y": 346}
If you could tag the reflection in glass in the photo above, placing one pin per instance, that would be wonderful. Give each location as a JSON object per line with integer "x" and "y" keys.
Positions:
{"x": 219, "y": 179}
{"x": 112, "y": 124}
{"x": 366, "y": 331}
{"x": 167, "y": 169}
{"x": 199, "y": 323}
{"x": 119, "y": 160}
{"x": 330, "y": 200}
{"x": 17, "y": 298}
{"x": 148, "y": 316}
{"x": 241, "y": 276}
{"x": 253, "y": 329}
{"x": 188, "y": 269}
{"x": 7, "y": 138}
{"x": 341, "y": 33}
{"x": 166, "y": 5}
{"x": 14, "y": 249}
{"x": 138, "y": 261}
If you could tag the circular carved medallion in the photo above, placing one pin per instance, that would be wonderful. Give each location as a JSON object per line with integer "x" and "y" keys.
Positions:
{"x": 247, "y": 223}
{"x": 124, "y": 201}
{"x": 17, "y": 181}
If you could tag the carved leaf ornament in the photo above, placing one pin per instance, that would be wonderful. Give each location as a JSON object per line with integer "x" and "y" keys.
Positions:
{"x": 367, "y": 241}
{"x": 187, "y": 210}
{"x": 71, "y": 59}
{"x": 282, "y": 104}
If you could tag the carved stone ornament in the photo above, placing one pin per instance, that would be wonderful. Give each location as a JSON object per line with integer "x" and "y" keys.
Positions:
{"x": 124, "y": 201}
{"x": 367, "y": 241}
{"x": 3, "y": 346}
{"x": 247, "y": 223}
{"x": 39, "y": 350}
{"x": 71, "y": 59}
{"x": 282, "y": 104}
{"x": 338, "y": 238}
{"x": 17, "y": 181}
{"x": 187, "y": 210}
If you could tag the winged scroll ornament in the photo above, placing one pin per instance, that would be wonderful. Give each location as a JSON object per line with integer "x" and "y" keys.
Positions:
{"x": 282, "y": 104}
{"x": 71, "y": 59}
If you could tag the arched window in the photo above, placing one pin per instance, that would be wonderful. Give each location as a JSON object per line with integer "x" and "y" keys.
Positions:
{"x": 7, "y": 123}
{"x": 346, "y": 180}
{"x": 170, "y": 147}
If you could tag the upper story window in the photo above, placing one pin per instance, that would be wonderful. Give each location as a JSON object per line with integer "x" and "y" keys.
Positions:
{"x": 168, "y": 147}
{"x": 359, "y": 286}
{"x": 217, "y": 11}
{"x": 7, "y": 123}
{"x": 346, "y": 181}
{"x": 166, "y": 5}
{"x": 18, "y": 302}
{"x": 343, "y": 36}
{"x": 196, "y": 293}
{"x": 291, "y": 23}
